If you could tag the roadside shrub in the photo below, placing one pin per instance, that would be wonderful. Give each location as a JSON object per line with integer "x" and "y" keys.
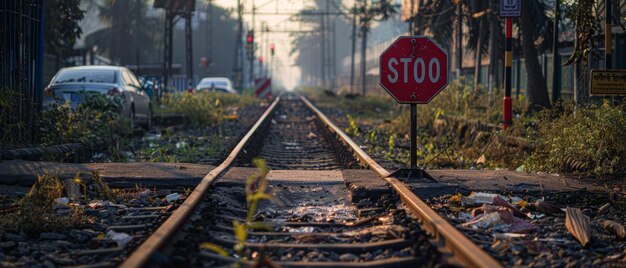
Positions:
{"x": 8, "y": 128}
{"x": 586, "y": 140}
{"x": 36, "y": 210}
{"x": 97, "y": 117}
{"x": 202, "y": 108}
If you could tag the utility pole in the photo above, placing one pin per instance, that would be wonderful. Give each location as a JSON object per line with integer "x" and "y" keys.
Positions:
{"x": 459, "y": 40}
{"x": 353, "y": 49}
{"x": 208, "y": 40}
{"x": 252, "y": 56}
{"x": 323, "y": 48}
{"x": 333, "y": 73}
{"x": 238, "y": 66}
{"x": 364, "y": 25}
{"x": 556, "y": 57}
{"x": 188, "y": 50}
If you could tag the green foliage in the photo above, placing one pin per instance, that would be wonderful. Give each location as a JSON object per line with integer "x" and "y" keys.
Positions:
{"x": 353, "y": 126}
{"x": 588, "y": 140}
{"x": 9, "y": 132}
{"x": 35, "y": 212}
{"x": 62, "y": 29}
{"x": 97, "y": 117}
{"x": 256, "y": 185}
{"x": 203, "y": 109}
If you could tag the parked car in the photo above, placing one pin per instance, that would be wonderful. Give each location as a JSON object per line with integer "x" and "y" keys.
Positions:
{"x": 73, "y": 83}
{"x": 216, "y": 84}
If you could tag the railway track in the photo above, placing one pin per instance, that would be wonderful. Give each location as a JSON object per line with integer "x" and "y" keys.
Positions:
{"x": 311, "y": 221}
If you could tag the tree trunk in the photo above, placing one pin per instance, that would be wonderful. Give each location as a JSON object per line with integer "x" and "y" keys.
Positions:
{"x": 537, "y": 90}
{"x": 478, "y": 61}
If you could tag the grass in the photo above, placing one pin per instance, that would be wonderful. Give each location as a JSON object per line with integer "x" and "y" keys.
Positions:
{"x": 37, "y": 210}
{"x": 583, "y": 140}
{"x": 204, "y": 109}
{"x": 255, "y": 187}
{"x": 459, "y": 129}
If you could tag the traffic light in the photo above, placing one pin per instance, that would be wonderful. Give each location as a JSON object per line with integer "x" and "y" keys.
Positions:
{"x": 250, "y": 43}
{"x": 261, "y": 59}
{"x": 272, "y": 47}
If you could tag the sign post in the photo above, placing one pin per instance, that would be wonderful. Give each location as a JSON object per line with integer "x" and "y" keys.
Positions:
{"x": 508, "y": 10}
{"x": 607, "y": 83}
{"x": 413, "y": 70}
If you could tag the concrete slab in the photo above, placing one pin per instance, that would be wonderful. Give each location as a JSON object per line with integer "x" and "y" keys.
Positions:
{"x": 364, "y": 184}
{"x": 316, "y": 177}
{"x": 507, "y": 180}
{"x": 24, "y": 173}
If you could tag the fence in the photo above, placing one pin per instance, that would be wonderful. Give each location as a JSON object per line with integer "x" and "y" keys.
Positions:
{"x": 21, "y": 54}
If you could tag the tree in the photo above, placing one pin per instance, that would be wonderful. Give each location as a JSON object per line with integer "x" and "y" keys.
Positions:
{"x": 130, "y": 33}
{"x": 537, "y": 90}
{"x": 61, "y": 26}
{"x": 378, "y": 11}
{"x": 534, "y": 25}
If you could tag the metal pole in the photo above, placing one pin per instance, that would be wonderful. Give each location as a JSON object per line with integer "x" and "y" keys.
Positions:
{"x": 188, "y": 48}
{"x": 237, "y": 74}
{"x": 323, "y": 49}
{"x": 556, "y": 57}
{"x": 252, "y": 56}
{"x": 608, "y": 42}
{"x": 353, "y": 49}
{"x": 413, "y": 136}
{"x": 508, "y": 58}
{"x": 364, "y": 49}
{"x": 459, "y": 41}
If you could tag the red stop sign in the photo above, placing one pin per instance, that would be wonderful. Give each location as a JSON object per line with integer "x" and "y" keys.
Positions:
{"x": 414, "y": 69}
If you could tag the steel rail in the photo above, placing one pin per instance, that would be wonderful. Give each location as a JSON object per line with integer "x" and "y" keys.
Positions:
{"x": 142, "y": 254}
{"x": 464, "y": 251}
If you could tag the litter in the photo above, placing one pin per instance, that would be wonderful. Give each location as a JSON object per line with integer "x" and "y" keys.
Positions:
{"x": 546, "y": 207}
{"x": 484, "y": 221}
{"x": 508, "y": 236}
{"x": 172, "y": 197}
{"x": 103, "y": 204}
{"x": 578, "y": 225}
{"x": 62, "y": 200}
{"x": 478, "y": 198}
{"x": 122, "y": 239}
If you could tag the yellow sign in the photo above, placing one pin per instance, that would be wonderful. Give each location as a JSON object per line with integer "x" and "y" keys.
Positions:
{"x": 608, "y": 82}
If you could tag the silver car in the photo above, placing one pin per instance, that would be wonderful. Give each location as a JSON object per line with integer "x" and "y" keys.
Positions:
{"x": 69, "y": 84}
{"x": 216, "y": 84}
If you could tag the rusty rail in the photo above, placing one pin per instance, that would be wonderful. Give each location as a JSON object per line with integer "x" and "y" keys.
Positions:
{"x": 462, "y": 250}
{"x": 142, "y": 254}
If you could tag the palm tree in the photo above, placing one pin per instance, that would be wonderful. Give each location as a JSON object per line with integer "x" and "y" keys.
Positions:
{"x": 130, "y": 33}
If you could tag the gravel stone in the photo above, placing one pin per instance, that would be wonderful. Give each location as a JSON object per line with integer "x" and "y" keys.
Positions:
{"x": 59, "y": 260}
{"x": 52, "y": 236}
{"x": 15, "y": 237}
{"x": 348, "y": 257}
{"x": 8, "y": 245}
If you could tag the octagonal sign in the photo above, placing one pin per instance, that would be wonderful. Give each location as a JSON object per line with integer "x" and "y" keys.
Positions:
{"x": 414, "y": 69}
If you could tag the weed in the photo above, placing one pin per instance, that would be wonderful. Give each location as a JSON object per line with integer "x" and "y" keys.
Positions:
{"x": 36, "y": 211}
{"x": 589, "y": 140}
{"x": 353, "y": 126}
{"x": 256, "y": 185}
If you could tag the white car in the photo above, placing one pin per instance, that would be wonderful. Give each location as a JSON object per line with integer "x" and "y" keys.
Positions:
{"x": 71, "y": 84}
{"x": 216, "y": 84}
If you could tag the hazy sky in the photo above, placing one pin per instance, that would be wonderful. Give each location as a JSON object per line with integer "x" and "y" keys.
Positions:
{"x": 285, "y": 71}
